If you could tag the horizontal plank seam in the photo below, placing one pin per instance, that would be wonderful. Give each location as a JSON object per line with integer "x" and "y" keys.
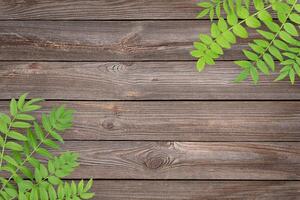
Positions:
{"x": 198, "y": 180}
{"x": 168, "y": 100}
{"x": 107, "y": 20}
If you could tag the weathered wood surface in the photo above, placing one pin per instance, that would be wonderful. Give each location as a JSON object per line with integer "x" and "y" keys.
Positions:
{"x": 187, "y": 160}
{"x": 183, "y": 121}
{"x": 136, "y": 81}
{"x": 139, "y": 50}
{"x": 195, "y": 190}
{"x": 99, "y": 10}
{"x": 105, "y": 40}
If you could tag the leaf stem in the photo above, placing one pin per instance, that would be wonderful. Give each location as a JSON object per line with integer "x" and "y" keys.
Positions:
{"x": 276, "y": 35}
{"x": 25, "y": 160}
{"x": 5, "y": 140}
{"x": 253, "y": 15}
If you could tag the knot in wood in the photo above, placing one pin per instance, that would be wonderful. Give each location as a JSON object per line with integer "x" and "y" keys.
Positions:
{"x": 108, "y": 124}
{"x": 156, "y": 161}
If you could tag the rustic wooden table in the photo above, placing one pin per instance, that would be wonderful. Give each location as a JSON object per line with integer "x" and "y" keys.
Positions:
{"x": 148, "y": 126}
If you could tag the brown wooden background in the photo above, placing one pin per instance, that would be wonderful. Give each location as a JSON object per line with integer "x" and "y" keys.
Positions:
{"x": 148, "y": 126}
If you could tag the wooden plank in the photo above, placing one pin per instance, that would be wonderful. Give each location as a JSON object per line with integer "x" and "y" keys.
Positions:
{"x": 183, "y": 121}
{"x": 95, "y": 10}
{"x": 136, "y": 81}
{"x": 105, "y": 40}
{"x": 98, "y": 10}
{"x": 187, "y": 190}
{"x": 187, "y": 160}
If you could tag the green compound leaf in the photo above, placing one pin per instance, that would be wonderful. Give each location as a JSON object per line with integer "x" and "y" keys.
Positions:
{"x": 277, "y": 40}
{"x": 240, "y": 31}
{"x": 23, "y": 147}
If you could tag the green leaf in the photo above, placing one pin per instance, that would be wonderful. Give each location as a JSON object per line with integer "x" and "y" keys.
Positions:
{"x": 200, "y": 64}
{"x": 200, "y": 46}
{"x": 33, "y": 101}
{"x": 216, "y": 48}
{"x": 242, "y": 13}
{"x": 44, "y": 152}
{"x": 294, "y": 17}
{"x": 206, "y": 39}
{"x": 252, "y": 56}
{"x": 256, "y": 48}
{"x": 197, "y": 53}
{"x": 297, "y": 69}
{"x": 51, "y": 144}
{"x": 52, "y": 193}
{"x": 87, "y": 195}
{"x": 258, "y": 4}
{"x": 11, "y": 192}
{"x": 292, "y": 76}
{"x": 203, "y": 13}
{"x": 262, "y": 67}
{"x": 281, "y": 45}
{"x": 31, "y": 108}
{"x": 297, "y": 7}
{"x": 272, "y": 26}
{"x": 34, "y": 194}
{"x": 56, "y": 136}
{"x": 5, "y": 118}
{"x": 266, "y": 34}
{"x": 229, "y": 37}
{"x": 38, "y": 131}
{"x": 214, "y": 30}
{"x": 269, "y": 60}
{"x": 275, "y": 52}
{"x": 43, "y": 193}
{"x": 54, "y": 180}
{"x": 281, "y": 7}
{"x": 242, "y": 76}
{"x": 88, "y": 185}
{"x": 22, "y": 196}
{"x": 25, "y": 117}
{"x": 254, "y": 75}
{"x": 21, "y": 125}
{"x": 43, "y": 171}
{"x": 37, "y": 175}
{"x": 209, "y": 60}
{"x": 211, "y": 14}
{"x": 244, "y": 64}
{"x": 240, "y": 31}
{"x": 232, "y": 19}
{"x": 264, "y": 16}
{"x": 13, "y": 107}
{"x": 262, "y": 43}
{"x": 253, "y": 22}
{"x": 3, "y": 127}
{"x": 10, "y": 160}
{"x": 21, "y": 101}
{"x": 222, "y": 25}
{"x": 14, "y": 146}
{"x": 291, "y": 29}
{"x": 17, "y": 136}
{"x": 282, "y": 75}
{"x": 287, "y": 38}
{"x": 205, "y": 4}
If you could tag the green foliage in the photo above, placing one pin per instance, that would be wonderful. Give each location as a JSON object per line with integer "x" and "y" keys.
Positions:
{"x": 278, "y": 38}
{"x": 24, "y": 144}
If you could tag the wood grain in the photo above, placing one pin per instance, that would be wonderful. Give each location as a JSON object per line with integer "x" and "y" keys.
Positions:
{"x": 183, "y": 121}
{"x": 195, "y": 190}
{"x": 105, "y": 40}
{"x": 98, "y": 10}
{"x": 136, "y": 81}
{"x": 187, "y": 160}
